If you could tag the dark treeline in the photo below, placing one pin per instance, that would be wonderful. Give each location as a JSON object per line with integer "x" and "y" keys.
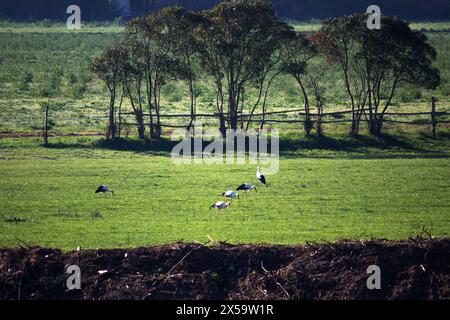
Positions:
{"x": 31, "y": 10}
{"x": 288, "y": 9}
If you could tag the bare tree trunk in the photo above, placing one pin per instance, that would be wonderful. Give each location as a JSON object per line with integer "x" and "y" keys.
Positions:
{"x": 261, "y": 86}
{"x": 319, "y": 120}
{"x": 192, "y": 98}
{"x": 140, "y": 124}
{"x": 355, "y": 123}
{"x": 242, "y": 108}
{"x": 232, "y": 108}
{"x": 318, "y": 94}
{"x": 263, "y": 121}
{"x": 112, "y": 130}
{"x": 219, "y": 104}
{"x": 157, "y": 95}
{"x": 119, "y": 130}
{"x": 137, "y": 114}
{"x": 308, "y": 123}
{"x": 433, "y": 117}
{"x": 149, "y": 85}
{"x": 355, "y": 119}
{"x": 46, "y": 126}
{"x": 380, "y": 117}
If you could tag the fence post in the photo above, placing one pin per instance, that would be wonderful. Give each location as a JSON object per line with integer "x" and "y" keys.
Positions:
{"x": 433, "y": 117}
{"x": 120, "y": 120}
{"x": 46, "y": 126}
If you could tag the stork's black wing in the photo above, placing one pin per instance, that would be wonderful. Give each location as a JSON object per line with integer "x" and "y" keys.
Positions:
{"x": 262, "y": 179}
{"x": 101, "y": 189}
{"x": 243, "y": 187}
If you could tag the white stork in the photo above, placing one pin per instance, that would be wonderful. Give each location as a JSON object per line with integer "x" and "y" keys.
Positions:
{"x": 220, "y": 205}
{"x": 261, "y": 178}
{"x": 231, "y": 195}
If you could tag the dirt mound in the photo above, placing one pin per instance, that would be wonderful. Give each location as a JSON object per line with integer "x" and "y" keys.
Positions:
{"x": 409, "y": 270}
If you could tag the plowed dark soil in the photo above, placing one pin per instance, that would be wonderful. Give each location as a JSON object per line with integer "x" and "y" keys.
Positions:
{"x": 409, "y": 270}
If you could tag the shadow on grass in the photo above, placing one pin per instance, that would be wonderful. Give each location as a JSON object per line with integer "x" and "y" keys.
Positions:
{"x": 387, "y": 146}
{"x": 362, "y": 146}
{"x": 346, "y": 144}
{"x": 152, "y": 146}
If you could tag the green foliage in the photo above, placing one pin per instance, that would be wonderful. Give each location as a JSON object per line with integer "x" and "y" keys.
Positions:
{"x": 237, "y": 40}
{"x": 77, "y": 90}
{"x": 44, "y": 91}
{"x": 109, "y": 66}
{"x": 27, "y": 78}
{"x": 375, "y": 63}
{"x": 173, "y": 92}
{"x": 72, "y": 79}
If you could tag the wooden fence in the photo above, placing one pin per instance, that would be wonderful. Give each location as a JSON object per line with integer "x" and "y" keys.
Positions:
{"x": 270, "y": 118}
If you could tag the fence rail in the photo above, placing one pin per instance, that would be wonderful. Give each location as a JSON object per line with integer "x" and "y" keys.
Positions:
{"x": 292, "y": 116}
{"x": 299, "y": 113}
{"x": 255, "y": 118}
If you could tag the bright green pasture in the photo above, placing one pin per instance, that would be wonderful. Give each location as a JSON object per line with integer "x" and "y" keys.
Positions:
{"x": 312, "y": 198}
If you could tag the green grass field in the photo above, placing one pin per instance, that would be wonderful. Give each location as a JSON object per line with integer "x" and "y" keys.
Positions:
{"x": 319, "y": 195}
{"x": 425, "y": 26}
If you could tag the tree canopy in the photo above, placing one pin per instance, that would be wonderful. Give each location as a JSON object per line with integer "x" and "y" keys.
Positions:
{"x": 376, "y": 62}
{"x": 241, "y": 44}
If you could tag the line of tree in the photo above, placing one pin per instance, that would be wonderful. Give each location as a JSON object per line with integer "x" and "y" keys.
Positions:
{"x": 241, "y": 44}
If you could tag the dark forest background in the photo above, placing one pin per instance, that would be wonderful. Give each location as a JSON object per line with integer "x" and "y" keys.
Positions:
{"x": 287, "y": 9}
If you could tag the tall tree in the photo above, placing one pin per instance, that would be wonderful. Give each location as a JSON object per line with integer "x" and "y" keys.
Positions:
{"x": 394, "y": 55}
{"x": 375, "y": 63}
{"x": 317, "y": 71}
{"x": 134, "y": 76}
{"x": 343, "y": 48}
{"x": 236, "y": 38}
{"x": 180, "y": 26}
{"x": 271, "y": 68}
{"x": 108, "y": 67}
{"x": 299, "y": 51}
{"x": 151, "y": 50}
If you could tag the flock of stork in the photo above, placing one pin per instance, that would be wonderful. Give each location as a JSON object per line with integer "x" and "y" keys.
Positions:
{"x": 230, "y": 194}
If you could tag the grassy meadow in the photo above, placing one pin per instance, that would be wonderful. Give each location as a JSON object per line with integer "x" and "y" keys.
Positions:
{"x": 47, "y": 196}
{"x": 328, "y": 188}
